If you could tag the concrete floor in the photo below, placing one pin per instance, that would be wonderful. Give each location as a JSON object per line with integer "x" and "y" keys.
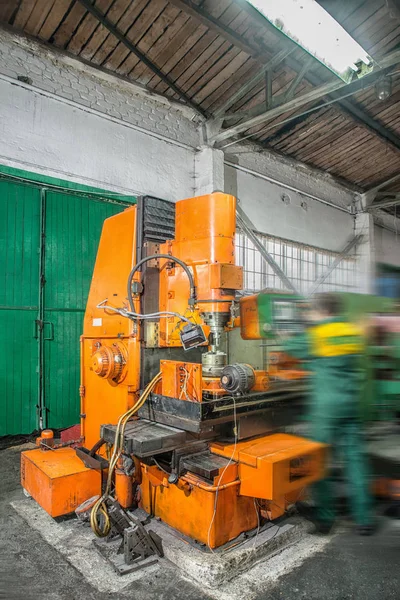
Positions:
{"x": 348, "y": 567}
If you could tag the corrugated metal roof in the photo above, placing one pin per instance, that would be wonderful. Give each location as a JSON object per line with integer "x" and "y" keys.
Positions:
{"x": 210, "y": 58}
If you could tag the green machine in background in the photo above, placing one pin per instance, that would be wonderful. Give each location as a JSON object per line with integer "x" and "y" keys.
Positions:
{"x": 381, "y": 319}
{"x": 270, "y": 313}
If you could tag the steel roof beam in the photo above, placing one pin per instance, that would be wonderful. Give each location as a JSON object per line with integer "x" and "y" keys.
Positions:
{"x": 260, "y": 54}
{"x": 384, "y": 203}
{"x": 146, "y": 61}
{"x": 326, "y": 89}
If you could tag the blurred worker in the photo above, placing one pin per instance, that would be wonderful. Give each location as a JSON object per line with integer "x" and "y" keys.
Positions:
{"x": 334, "y": 346}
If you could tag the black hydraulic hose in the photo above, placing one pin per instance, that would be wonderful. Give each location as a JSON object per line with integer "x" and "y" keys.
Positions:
{"x": 192, "y": 298}
{"x": 97, "y": 446}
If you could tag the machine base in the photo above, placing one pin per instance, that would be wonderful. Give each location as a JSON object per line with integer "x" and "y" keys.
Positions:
{"x": 58, "y": 480}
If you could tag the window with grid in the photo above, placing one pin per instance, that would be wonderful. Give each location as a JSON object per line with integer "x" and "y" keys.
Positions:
{"x": 302, "y": 265}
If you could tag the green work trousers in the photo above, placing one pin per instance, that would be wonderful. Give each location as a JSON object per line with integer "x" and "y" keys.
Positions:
{"x": 345, "y": 437}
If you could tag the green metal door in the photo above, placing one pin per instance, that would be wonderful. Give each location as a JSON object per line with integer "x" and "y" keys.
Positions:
{"x": 72, "y": 231}
{"x": 19, "y": 292}
{"x": 48, "y": 243}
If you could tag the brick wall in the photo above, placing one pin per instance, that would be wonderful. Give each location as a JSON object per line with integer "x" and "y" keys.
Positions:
{"x": 73, "y": 80}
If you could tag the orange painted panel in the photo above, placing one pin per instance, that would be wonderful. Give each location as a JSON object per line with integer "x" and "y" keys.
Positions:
{"x": 58, "y": 480}
{"x": 104, "y": 400}
{"x": 272, "y": 466}
{"x": 181, "y": 380}
{"x": 226, "y": 276}
{"x": 190, "y": 511}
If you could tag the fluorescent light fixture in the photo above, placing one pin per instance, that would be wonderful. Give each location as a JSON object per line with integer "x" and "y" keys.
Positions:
{"x": 311, "y": 27}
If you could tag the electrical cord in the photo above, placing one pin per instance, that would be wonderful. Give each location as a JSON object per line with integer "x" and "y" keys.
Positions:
{"x": 192, "y": 297}
{"x": 133, "y": 315}
{"x": 100, "y": 507}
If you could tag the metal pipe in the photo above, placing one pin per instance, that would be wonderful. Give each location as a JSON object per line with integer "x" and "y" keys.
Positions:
{"x": 210, "y": 488}
{"x": 39, "y": 322}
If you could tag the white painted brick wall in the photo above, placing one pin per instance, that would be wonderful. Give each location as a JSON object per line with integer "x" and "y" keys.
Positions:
{"x": 69, "y": 78}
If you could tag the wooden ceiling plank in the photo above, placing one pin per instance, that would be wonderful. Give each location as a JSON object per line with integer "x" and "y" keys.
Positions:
{"x": 206, "y": 18}
{"x": 165, "y": 43}
{"x": 381, "y": 33}
{"x": 23, "y": 14}
{"x": 359, "y": 16}
{"x": 204, "y": 39}
{"x": 341, "y": 151}
{"x": 340, "y": 9}
{"x": 115, "y": 14}
{"x": 64, "y": 32}
{"x": 183, "y": 51}
{"x": 389, "y": 44}
{"x": 7, "y": 9}
{"x": 355, "y": 161}
{"x": 280, "y": 84}
{"x": 370, "y": 24}
{"x": 53, "y": 19}
{"x": 175, "y": 62}
{"x": 299, "y": 127}
{"x": 38, "y": 16}
{"x": 342, "y": 144}
{"x": 320, "y": 143}
{"x": 124, "y": 21}
{"x": 87, "y": 27}
{"x": 209, "y": 56}
{"x": 231, "y": 85}
{"x": 202, "y": 75}
{"x": 231, "y": 65}
{"x": 315, "y": 135}
{"x": 377, "y": 32}
{"x": 368, "y": 173}
{"x": 135, "y": 34}
{"x": 134, "y": 50}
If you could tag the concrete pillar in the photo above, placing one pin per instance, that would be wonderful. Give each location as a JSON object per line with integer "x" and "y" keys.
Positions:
{"x": 364, "y": 224}
{"x": 208, "y": 171}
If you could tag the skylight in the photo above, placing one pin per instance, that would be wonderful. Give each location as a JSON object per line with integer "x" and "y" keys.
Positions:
{"x": 311, "y": 27}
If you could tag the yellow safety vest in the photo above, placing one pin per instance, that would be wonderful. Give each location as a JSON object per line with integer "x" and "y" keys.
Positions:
{"x": 336, "y": 339}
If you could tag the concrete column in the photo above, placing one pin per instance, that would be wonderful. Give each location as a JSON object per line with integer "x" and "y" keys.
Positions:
{"x": 208, "y": 171}
{"x": 364, "y": 224}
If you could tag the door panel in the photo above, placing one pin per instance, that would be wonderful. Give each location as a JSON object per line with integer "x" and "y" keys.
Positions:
{"x": 73, "y": 228}
{"x": 19, "y": 290}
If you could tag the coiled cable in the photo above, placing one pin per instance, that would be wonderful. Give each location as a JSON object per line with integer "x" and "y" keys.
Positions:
{"x": 100, "y": 507}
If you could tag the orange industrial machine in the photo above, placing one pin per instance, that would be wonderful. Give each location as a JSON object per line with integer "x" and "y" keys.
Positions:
{"x": 177, "y": 430}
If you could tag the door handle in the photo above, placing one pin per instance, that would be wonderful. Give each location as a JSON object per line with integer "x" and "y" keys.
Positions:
{"x": 39, "y": 326}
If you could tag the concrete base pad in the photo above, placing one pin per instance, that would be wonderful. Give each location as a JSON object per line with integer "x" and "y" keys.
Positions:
{"x": 228, "y": 573}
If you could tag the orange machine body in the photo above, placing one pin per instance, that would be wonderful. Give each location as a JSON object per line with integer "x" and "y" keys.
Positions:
{"x": 58, "y": 480}
{"x": 191, "y": 506}
{"x": 109, "y": 339}
{"x": 113, "y": 372}
{"x": 273, "y": 468}
{"x": 205, "y": 240}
